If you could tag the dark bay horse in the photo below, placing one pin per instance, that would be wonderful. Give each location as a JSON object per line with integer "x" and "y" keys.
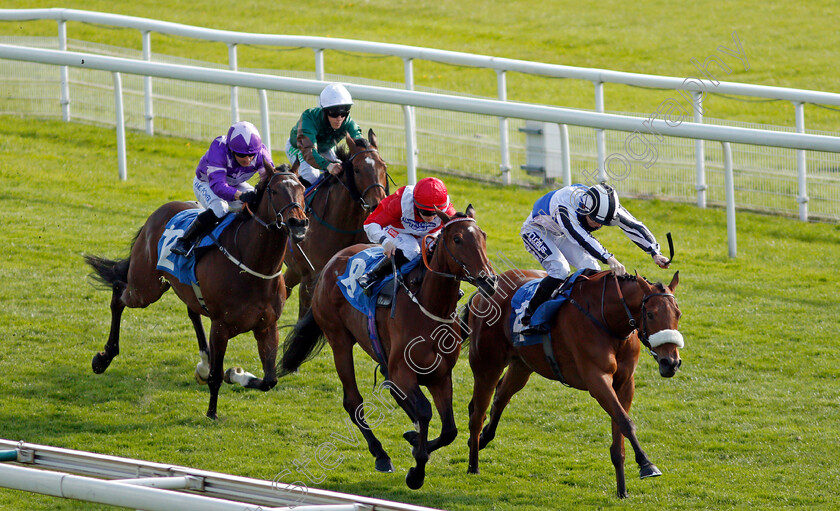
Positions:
{"x": 337, "y": 211}
{"x": 595, "y": 346}
{"x": 420, "y": 346}
{"x": 247, "y": 295}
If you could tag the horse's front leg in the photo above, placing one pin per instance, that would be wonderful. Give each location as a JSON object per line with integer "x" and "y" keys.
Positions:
{"x": 442, "y": 396}
{"x": 513, "y": 381}
{"x": 103, "y": 359}
{"x": 267, "y": 341}
{"x": 219, "y": 336}
{"x": 600, "y": 387}
{"x": 409, "y": 396}
{"x": 202, "y": 370}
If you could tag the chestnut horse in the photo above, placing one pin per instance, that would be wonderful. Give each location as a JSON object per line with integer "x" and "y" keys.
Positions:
{"x": 594, "y": 346}
{"x": 241, "y": 283}
{"x": 338, "y": 209}
{"x": 420, "y": 347}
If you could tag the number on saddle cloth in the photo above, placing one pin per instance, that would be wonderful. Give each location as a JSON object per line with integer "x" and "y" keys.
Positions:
{"x": 183, "y": 267}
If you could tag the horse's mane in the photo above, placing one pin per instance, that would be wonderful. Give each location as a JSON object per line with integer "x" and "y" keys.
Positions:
{"x": 261, "y": 187}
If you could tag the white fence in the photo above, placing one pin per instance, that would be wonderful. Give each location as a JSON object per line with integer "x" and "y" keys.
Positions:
{"x": 151, "y": 486}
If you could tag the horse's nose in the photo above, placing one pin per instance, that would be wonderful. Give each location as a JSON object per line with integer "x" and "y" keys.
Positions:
{"x": 668, "y": 366}
{"x": 297, "y": 228}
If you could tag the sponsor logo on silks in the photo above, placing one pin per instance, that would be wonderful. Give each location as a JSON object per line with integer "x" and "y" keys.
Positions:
{"x": 418, "y": 226}
{"x": 537, "y": 245}
{"x": 392, "y": 232}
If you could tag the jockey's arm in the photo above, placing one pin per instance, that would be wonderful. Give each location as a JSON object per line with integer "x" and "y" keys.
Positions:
{"x": 640, "y": 235}
{"x": 218, "y": 183}
{"x": 567, "y": 220}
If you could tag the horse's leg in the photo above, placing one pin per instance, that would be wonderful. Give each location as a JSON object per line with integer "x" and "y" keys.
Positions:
{"x": 219, "y": 336}
{"x": 419, "y": 410}
{"x": 304, "y": 295}
{"x": 442, "y": 396}
{"x": 267, "y": 342}
{"x": 103, "y": 359}
{"x": 342, "y": 348}
{"x": 202, "y": 370}
{"x": 514, "y": 379}
{"x": 601, "y": 388}
{"x": 487, "y": 371}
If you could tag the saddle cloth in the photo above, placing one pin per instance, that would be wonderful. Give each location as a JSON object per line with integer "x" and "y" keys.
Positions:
{"x": 542, "y": 316}
{"x": 183, "y": 267}
{"x": 357, "y": 266}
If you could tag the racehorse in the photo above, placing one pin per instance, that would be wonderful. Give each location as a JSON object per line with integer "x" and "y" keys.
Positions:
{"x": 241, "y": 283}
{"x": 338, "y": 209}
{"x": 420, "y": 347}
{"x": 594, "y": 346}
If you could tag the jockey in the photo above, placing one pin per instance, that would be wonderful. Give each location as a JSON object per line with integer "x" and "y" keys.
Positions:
{"x": 401, "y": 220}
{"x": 312, "y": 141}
{"x": 559, "y": 232}
{"x": 220, "y": 179}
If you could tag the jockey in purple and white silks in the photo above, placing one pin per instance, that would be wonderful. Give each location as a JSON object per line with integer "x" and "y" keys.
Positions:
{"x": 220, "y": 183}
{"x": 558, "y": 233}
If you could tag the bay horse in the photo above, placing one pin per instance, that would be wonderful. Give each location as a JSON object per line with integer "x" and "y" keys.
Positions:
{"x": 241, "y": 282}
{"x": 594, "y": 346}
{"x": 418, "y": 344}
{"x": 337, "y": 211}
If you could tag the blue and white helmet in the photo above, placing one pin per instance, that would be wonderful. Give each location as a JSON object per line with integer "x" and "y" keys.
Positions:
{"x": 243, "y": 138}
{"x": 600, "y": 203}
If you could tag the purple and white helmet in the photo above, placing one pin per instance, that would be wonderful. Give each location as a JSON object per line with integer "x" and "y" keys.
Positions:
{"x": 243, "y": 138}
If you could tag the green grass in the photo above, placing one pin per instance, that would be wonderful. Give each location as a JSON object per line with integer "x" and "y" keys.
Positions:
{"x": 749, "y": 422}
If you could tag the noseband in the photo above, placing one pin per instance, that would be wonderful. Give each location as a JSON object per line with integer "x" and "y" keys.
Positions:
{"x": 279, "y": 221}
{"x": 467, "y": 276}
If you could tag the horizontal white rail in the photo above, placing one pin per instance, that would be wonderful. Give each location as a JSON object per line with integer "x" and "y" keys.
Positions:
{"x": 418, "y": 53}
{"x": 428, "y": 100}
{"x": 147, "y": 485}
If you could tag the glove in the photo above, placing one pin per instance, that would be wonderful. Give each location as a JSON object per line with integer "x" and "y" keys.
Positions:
{"x": 661, "y": 261}
{"x": 389, "y": 247}
{"x": 616, "y": 267}
{"x": 249, "y": 197}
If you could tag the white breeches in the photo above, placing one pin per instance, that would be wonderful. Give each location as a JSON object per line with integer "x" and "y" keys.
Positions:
{"x": 556, "y": 252}
{"x": 210, "y": 200}
{"x": 305, "y": 170}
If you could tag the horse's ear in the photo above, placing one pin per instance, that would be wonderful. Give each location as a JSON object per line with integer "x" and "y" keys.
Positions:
{"x": 350, "y": 143}
{"x": 643, "y": 285}
{"x": 470, "y": 211}
{"x": 674, "y": 281}
{"x": 269, "y": 168}
{"x": 284, "y": 167}
{"x": 443, "y": 216}
{"x": 372, "y": 139}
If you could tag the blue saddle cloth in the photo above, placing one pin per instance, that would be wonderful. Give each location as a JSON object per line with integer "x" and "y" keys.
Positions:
{"x": 357, "y": 266}
{"x": 183, "y": 267}
{"x": 542, "y": 316}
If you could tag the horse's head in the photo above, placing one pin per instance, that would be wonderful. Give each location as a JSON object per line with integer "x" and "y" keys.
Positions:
{"x": 465, "y": 247}
{"x": 366, "y": 173}
{"x": 280, "y": 202}
{"x": 659, "y": 323}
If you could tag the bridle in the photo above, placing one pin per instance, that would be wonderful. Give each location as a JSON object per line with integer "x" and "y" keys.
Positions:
{"x": 467, "y": 276}
{"x": 279, "y": 222}
{"x": 361, "y": 198}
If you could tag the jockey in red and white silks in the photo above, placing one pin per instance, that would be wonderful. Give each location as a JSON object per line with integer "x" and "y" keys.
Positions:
{"x": 403, "y": 218}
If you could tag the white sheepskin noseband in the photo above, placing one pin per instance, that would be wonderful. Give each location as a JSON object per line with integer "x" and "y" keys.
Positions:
{"x": 665, "y": 337}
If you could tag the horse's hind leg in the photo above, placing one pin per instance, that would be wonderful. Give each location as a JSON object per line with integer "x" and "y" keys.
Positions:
{"x": 342, "y": 348}
{"x": 442, "y": 396}
{"x": 103, "y": 359}
{"x": 202, "y": 370}
{"x": 419, "y": 410}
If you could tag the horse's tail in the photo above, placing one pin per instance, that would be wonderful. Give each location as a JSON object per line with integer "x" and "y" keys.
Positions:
{"x": 302, "y": 344}
{"x": 107, "y": 271}
{"x": 465, "y": 321}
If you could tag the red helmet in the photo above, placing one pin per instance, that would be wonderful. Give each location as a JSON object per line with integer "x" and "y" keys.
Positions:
{"x": 430, "y": 192}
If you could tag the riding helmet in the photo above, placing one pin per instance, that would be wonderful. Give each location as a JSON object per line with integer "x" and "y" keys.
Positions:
{"x": 430, "y": 193}
{"x": 243, "y": 138}
{"x": 334, "y": 94}
{"x": 601, "y": 203}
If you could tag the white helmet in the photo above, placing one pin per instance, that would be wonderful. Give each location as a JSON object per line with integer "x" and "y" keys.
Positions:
{"x": 601, "y": 203}
{"x": 334, "y": 94}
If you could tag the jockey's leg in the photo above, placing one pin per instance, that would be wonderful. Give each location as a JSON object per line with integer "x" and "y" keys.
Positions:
{"x": 381, "y": 269}
{"x": 203, "y": 223}
{"x": 541, "y": 295}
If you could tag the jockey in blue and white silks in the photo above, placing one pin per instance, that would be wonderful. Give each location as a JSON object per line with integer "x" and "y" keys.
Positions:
{"x": 558, "y": 233}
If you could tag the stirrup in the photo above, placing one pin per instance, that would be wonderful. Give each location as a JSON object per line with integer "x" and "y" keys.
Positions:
{"x": 182, "y": 248}
{"x": 529, "y": 329}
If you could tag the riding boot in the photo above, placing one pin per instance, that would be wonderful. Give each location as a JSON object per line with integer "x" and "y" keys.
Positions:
{"x": 541, "y": 295}
{"x": 379, "y": 271}
{"x": 203, "y": 223}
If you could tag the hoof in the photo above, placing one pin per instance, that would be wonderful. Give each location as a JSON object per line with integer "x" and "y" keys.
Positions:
{"x": 230, "y": 372}
{"x": 384, "y": 465}
{"x": 472, "y": 470}
{"x": 415, "y": 477}
{"x": 199, "y": 379}
{"x": 411, "y": 437}
{"x": 649, "y": 471}
{"x": 100, "y": 362}
{"x": 623, "y": 495}
{"x": 212, "y": 415}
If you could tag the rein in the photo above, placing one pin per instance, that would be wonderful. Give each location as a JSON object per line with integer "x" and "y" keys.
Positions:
{"x": 361, "y": 199}
{"x": 468, "y": 278}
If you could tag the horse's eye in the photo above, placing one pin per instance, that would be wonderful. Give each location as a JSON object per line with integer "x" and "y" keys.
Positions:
{"x": 457, "y": 239}
{"x": 650, "y": 315}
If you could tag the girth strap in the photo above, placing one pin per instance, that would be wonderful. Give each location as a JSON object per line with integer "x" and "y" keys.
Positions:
{"x": 551, "y": 359}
